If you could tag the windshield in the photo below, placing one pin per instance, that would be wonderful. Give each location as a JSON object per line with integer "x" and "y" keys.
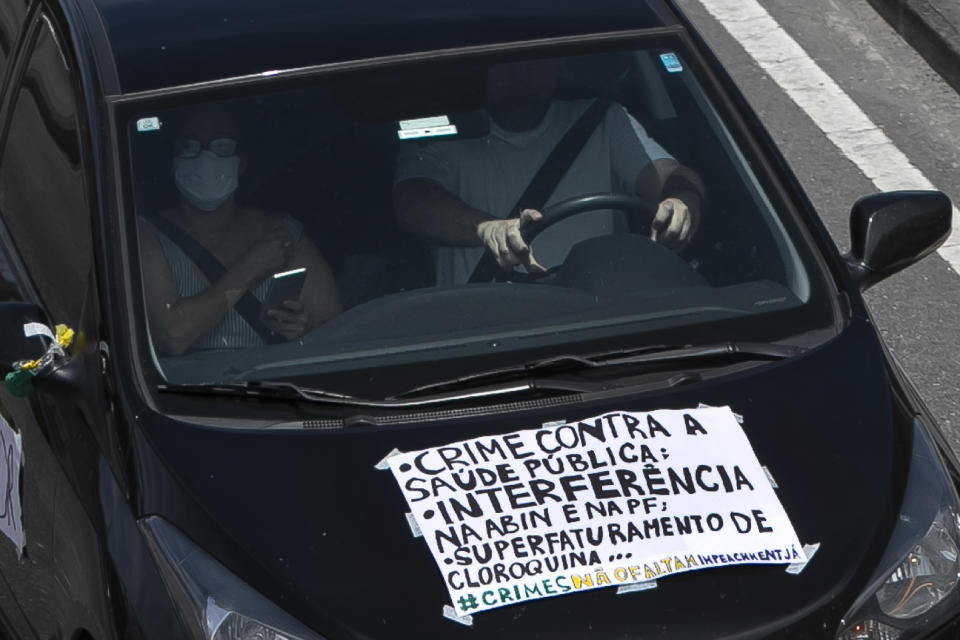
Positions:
{"x": 372, "y": 229}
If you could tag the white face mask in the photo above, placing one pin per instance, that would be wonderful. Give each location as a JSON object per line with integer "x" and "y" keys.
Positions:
{"x": 206, "y": 180}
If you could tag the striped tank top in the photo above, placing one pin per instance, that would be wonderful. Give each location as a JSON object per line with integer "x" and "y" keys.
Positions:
{"x": 232, "y": 332}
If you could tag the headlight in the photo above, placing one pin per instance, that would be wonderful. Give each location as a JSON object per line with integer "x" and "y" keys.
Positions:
{"x": 214, "y": 603}
{"x": 927, "y": 575}
{"x": 915, "y": 587}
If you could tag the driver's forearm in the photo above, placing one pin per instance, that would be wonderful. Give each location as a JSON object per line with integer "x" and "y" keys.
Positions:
{"x": 425, "y": 208}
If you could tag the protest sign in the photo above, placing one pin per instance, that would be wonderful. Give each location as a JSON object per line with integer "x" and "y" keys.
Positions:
{"x": 11, "y": 460}
{"x": 618, "y": 499}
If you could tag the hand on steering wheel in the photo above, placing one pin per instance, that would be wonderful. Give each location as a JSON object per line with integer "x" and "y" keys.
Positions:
{"x": 504, "y": 240}
{"x": 531, "y": 223}
{"x": 673, "y": 223}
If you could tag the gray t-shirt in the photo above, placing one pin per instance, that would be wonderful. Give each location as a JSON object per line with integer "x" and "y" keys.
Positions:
{"x": 490, "y": 173}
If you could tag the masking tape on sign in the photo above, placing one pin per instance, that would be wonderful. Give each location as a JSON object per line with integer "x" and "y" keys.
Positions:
{"x": 383, "y": 465}
{"x": 636, "y": 586}
{"x": 451, "y": 614}
{"x": 414, "y": 527}
{"x": 808, "y": 551}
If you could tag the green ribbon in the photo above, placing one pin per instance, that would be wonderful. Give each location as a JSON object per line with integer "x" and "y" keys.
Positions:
{"x": 19, "y": 383}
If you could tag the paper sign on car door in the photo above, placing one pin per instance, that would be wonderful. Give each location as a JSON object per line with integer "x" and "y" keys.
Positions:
{"x": 618, "y": 499}
{"x": 11, "y": 460}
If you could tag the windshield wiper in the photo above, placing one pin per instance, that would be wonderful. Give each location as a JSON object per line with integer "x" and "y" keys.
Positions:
{"x": 289, "y": 391}
{"x": 526, "y": 377}
{"x": 256, "y": 389}
{"x": 646, "y": 355}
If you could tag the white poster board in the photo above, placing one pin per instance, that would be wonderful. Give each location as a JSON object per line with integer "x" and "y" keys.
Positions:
{"x": 11, "y": 460}
{"x": 618, "y": 499}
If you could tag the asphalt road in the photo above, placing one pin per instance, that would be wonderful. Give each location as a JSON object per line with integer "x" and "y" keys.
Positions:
{"x": 917, "y": 310}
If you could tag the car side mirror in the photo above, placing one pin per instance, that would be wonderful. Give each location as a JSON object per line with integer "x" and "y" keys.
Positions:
{"x": 890, "y": 231}
{"x": 14, "y": 344}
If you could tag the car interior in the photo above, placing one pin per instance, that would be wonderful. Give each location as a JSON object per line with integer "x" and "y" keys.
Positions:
{"x": 325, "y": 152}
{"x": 328, "y": 158}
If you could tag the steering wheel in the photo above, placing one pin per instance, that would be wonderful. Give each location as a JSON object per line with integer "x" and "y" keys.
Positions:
{"x": 488, "y": 269}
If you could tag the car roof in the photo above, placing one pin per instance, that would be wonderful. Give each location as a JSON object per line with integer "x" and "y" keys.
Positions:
{"x": 164, "y": 43}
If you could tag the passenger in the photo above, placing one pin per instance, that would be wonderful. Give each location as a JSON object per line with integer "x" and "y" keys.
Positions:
{"x": 457, "y": 193}
{"x": 185, "y": 309}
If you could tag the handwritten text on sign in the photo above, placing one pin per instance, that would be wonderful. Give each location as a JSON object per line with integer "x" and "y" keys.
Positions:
{"x": 11, "y": 459}
{"x": 617, "y": 499}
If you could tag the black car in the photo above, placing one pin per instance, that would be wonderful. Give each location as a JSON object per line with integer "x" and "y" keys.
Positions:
{"x": 496, "y": 319}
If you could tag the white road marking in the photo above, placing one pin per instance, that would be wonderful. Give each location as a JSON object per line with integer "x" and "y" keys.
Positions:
{"x": 831, "y": 109}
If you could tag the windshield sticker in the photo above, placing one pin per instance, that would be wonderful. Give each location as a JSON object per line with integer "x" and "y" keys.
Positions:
{"x": 426, "y": 128}
{"x": 11, "y": 461}
{"x": 618, "y": 499}
{"x": 427, "y": 132}
{"x": 671, "y": 62}
{"x": 420, "y": 123}
{"x": 148, "y": 124}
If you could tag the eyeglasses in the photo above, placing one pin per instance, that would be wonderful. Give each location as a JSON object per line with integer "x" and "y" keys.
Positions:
{"x": 191, "y": 147}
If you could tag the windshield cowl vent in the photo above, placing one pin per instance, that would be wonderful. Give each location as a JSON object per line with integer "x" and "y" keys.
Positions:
{"x": 366, "y": 420}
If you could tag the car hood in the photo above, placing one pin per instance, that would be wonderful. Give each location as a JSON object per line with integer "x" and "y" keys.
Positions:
{"x": 306, "y": 518}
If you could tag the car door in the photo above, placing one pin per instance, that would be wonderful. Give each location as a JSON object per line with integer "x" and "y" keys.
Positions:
{"x": 60, "y": 581}
{"x": 15, "y": 415}
{"x": 15, "y": 288}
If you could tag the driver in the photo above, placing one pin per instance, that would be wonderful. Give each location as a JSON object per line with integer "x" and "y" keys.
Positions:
{"x": 457, "y": 193}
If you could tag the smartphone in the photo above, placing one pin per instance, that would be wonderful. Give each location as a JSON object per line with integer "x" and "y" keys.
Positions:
{"x": 285, "y": 285}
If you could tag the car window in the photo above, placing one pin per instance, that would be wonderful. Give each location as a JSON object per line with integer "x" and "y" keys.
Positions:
{"x": 363, "y": 198}
{"x": 11, "y": 21}
{"x": 10, "y": 288}
{"x": 43, "y": 199}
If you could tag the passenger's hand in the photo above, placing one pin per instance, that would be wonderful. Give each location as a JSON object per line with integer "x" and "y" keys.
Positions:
{"x": 290, "y": 320}
{"x": 673, "y": 224}
{"x": 502, "y": 238}
{"x": 269, "y": 254}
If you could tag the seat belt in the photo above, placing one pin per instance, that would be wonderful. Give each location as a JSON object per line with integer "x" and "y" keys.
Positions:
{"x": 247, "y": 306}
{"x": 548, "y": 176}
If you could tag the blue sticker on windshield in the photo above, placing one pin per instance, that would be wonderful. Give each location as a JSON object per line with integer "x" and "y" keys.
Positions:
{"x": 148, "y": 124}
{"x": 671, "y": 62}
